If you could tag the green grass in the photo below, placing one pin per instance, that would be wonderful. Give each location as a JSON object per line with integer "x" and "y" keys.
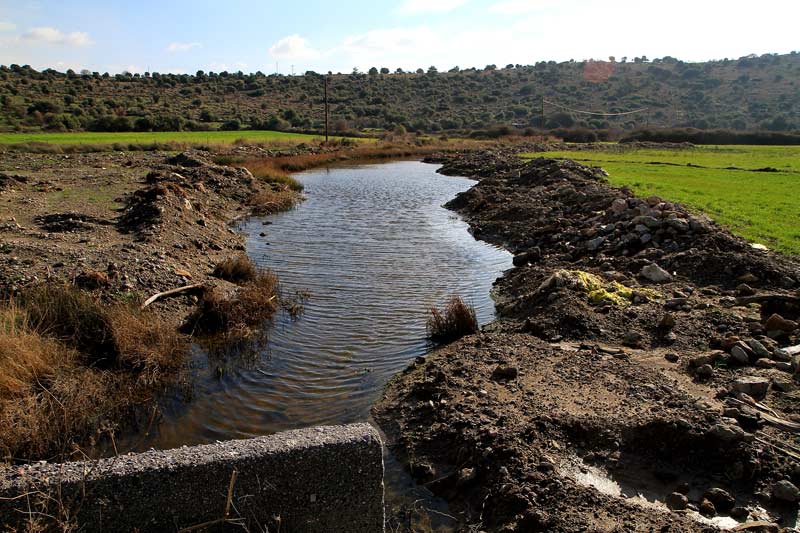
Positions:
{"x": 762, "y": 207}
{"x": 193, "y": 137}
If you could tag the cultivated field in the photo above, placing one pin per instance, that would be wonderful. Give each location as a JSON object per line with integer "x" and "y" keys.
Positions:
{"x": 753, "y": 190}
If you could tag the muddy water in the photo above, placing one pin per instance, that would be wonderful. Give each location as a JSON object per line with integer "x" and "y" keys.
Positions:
{"x": 376, "y": 250}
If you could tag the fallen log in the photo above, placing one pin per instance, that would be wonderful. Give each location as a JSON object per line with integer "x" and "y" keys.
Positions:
{"x": 197, "y": 287}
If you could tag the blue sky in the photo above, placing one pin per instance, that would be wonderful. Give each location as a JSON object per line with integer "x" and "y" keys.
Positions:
{"x": 338, "y": 35}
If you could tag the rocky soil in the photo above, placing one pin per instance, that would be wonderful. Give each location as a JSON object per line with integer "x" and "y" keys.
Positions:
{"x": 127, "y": 225}
{"x": 642, "y": 375}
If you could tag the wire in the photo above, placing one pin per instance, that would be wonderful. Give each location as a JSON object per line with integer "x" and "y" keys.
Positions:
{"x": 593, "y": 113}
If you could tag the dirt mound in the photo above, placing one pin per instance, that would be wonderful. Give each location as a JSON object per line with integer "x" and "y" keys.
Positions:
{"x": 66, "y": 222}
{"x": 514, "y": 430}
{"x": 7, "y": 181}
{"x": 659, "y": 320}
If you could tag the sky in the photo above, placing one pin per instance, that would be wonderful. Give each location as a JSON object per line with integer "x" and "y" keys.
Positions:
{"x": 183, "y": 36}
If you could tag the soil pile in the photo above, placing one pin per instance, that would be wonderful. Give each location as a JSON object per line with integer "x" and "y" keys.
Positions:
{"x": 630, "y": 329}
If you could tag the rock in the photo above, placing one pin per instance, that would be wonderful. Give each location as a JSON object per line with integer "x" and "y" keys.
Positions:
{"x": 667, "y": 321}
{"x": 672, "y": 357}
{"x": 747, "y": 278}
{"x": 729, "y": 342}
{"x": 764, "y": 363}
{"x": 745, "y": 290}
{"x": 777, "y": 323}
{"x": 633, "y": 339}
{"x": 704, "y": 359}
{"x": 783, "y": 384}
{"x": 785, "y": 491}
{"x": 727, "y": 432}
{"x": 655, "y": 273}
{"x": 505, "y": 373}
{"x": 740, "y": 513}
{"x": 721, "y": 499}
{"x": 759, "y": 349}
{"x": 707, "y": 508}
{"x": 619, "y": 206}
{"x": 705, "y": 372}
{"x": 754, "y": 386}
{"x": 739, "y": 355}
{"x": 595, "y": 243}
{"x": 676, "y": 501}
{"x": 520, "y": 259}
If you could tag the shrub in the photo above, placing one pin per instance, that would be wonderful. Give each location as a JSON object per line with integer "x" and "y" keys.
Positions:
{"x": 231, "y": 125}
{"x": 455, "y": 321}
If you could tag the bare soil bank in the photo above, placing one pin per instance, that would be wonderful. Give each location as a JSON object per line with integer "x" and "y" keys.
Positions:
{"x": 629, "y": 330}
{"x": 119, "y": 228}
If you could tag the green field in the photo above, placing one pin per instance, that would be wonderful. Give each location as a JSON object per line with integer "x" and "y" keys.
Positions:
{"x": 721, "y": 181}
{"x": 191, "y": 137}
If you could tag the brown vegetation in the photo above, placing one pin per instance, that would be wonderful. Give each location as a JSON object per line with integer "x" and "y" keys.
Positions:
{"x": 455, "y": 321}
{"x": 237, "y": 269}
{"x": 239, "y": 313}
{"x": 69, "y": 363}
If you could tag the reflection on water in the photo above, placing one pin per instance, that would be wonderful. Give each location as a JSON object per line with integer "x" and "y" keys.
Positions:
{"x": 375, "y": 249}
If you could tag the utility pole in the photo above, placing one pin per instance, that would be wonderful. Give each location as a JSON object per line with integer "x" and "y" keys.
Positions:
{"x": 542, "y": 111}
{"x": 327, "y": 109}
{"x": 292, "y": 70}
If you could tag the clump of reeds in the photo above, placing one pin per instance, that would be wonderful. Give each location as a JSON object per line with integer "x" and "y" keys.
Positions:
{"x": 456, "y": 320}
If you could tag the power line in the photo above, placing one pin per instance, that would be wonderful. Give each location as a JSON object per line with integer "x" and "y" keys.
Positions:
{"x": 592, "y": 112}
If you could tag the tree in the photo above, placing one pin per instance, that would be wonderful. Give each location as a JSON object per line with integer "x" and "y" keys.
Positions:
{"x": 420, "y": 71}
{"x": 384, "y": 70}
{"x": 432, "y": 71}
{"x": 373, "y": 71}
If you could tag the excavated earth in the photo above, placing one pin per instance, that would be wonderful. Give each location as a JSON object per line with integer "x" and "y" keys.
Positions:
{"x": 642, "y": 375}
{"x": 125, "y": 225}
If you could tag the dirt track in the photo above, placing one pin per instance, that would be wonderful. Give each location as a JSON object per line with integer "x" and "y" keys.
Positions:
{"x": 626, "y": 332}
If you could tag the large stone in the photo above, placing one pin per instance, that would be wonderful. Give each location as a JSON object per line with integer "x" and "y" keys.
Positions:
{"x": 739, "y": 355}
{"x": 728, "y": 432}
{"x": 677, "y": 501}
{"x": 655, "y": 273}
{"x": 754, "y": 386}
{"x": 759, "y": 349}
{"x": 786, "y": 491}
{"x": 777, "y": 323}
{"x": 721, "y": 499}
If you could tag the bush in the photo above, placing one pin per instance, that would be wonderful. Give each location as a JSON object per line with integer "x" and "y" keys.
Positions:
{"x": 231, "y": 125}
{"x": 696, "y": 136}
{"x": 455, "y": 321}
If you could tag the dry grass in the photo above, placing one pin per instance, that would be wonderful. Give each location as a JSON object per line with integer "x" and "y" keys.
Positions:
{"x": 70, "y": 365}
{"x": 238, "y": 314}
{"x": 455, "y": 321}
{"x": 272, "y": 200}
{"x": 239, "y": 269}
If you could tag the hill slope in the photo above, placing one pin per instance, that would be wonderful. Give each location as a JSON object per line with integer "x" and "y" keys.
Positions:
{"x": 748, "y": 93}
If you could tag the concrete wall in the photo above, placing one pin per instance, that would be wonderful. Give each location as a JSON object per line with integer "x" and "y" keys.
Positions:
{"x": 318, "y": 479}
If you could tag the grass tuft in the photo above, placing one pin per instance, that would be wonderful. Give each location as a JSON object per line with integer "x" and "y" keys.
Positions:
{"x": 239, "y": 269}
{"x": 239, "y": 314}
{"x": 455, "y": 321}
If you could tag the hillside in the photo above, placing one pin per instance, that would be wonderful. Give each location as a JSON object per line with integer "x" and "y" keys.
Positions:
{"x": 744, "y": 94}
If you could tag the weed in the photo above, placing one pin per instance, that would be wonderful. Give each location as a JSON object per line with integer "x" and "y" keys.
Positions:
{"x": 455, "y": 321}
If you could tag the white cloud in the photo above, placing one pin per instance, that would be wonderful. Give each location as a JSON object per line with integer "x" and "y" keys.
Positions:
{"x": 293, "y": 48}
{"x": 182, "y": 47}
{"x": 7, "y": 26}
{"x": 416, "y": 7}
{"x": 518, "y": 7}
{"x": 48, "y": 35}
{"x": 225, "y": 67}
